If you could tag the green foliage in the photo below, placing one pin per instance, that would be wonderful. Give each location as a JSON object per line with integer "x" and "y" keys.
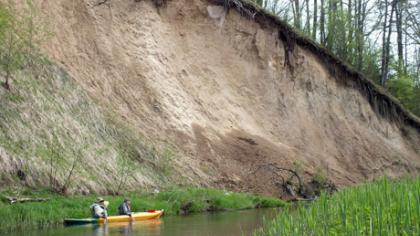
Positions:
{"x": 320, "y": 177}
{"x": 403, "y": 89}
{"x": 383, "y": 207}
{"x": 404, "y": 86}
{"x": 370, "y": 67}
{"x": 44, "y": 214}
{"x": 258, "y": 2}
{"x": 11, "y": 54}
{"x": 416, "y": 108}
{"x": 19, "y": 37}
{"x": 5, "y": 19}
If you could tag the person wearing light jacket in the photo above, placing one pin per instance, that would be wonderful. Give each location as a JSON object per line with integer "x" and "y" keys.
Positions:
{"x": 98, "y": 208}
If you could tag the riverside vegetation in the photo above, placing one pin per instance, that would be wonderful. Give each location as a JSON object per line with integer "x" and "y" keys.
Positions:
{"x": 383, "y": 207}
{"x": 174, "y": 201}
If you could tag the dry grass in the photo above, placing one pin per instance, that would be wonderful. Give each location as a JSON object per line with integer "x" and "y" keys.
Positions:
{"x": 49, "y": 126}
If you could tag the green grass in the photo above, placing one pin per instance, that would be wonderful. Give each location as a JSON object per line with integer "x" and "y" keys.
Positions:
{"x": 44, "y": 214}
{"x": 382, "y": 207}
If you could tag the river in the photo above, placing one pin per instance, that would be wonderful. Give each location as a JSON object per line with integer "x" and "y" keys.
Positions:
{"x": 209, "y": 224}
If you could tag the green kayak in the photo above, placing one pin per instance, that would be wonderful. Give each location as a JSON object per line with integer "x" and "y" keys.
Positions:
{"x": 70, "y": 222}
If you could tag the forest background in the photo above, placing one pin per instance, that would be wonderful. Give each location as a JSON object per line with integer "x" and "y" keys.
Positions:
{"x": 380, "y": 38}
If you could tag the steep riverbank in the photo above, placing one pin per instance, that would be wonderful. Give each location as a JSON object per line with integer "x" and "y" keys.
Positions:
{"x": 174, "y": 201}
{"x": 141, "y": 95}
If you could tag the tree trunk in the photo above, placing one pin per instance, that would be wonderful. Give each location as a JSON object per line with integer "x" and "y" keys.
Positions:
{"x": 350, "y": 33}
{"x": 6, "y": 84}
{"x": 315, "y": 20}
{"x": 418, "y": 63}
{"x": 405, "y": 52}
{"x": 308, "y": 19}
{"x": 360, "y": 30}
{"x": 332, "y": 23}
{"x": 8, "y": 61}
{"x": 297, "y": 16}
{"x": 342, "y": 31}
{"x": 329, "y": 23}
{"x": 387, "y": 47}
{"x": 399, "y": 25}
{"x": 322, "y": 24}
{"x": 384, "y": 30}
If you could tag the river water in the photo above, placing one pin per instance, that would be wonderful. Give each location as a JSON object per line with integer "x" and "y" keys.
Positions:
{"x": 209, "y": 224}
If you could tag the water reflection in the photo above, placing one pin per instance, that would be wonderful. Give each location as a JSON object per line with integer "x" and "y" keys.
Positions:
{"x": 152, "y": 227}
{"x": 240, "y": 223}
{"x": 100, "y": 230}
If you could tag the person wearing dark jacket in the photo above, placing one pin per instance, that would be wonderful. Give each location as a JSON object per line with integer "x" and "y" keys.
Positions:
{"x": 125, "y": 207}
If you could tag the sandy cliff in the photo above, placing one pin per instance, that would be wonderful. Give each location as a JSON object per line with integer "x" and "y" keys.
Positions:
{"x": 214, "y": 84}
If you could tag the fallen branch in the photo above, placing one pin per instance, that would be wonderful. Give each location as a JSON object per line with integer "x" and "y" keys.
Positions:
{"x": 299, "y": 199}
{"x": 13, "y": 200}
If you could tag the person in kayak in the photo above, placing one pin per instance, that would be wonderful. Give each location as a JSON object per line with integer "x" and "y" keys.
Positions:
{"x": 125, "y": 208}
{"x": 98, "y": 209}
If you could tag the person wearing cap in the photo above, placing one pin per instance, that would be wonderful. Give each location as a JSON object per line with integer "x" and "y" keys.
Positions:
{"x": 98, "y": 208}
{"x": 125, "y": 207}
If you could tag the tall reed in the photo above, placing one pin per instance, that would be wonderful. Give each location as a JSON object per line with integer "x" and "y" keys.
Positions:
{"x": 383, "y": 207}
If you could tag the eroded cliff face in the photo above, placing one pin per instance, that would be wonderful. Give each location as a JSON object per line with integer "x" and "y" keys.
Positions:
{"x": 214, "y": 85}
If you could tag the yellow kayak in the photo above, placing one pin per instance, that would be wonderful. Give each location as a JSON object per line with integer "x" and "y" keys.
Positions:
{"x": 135, "y": 217}
{"x": 138, "y": 216}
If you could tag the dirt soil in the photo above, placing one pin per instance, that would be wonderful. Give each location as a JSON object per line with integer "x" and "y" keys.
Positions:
{"x": 214, "y": 84}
